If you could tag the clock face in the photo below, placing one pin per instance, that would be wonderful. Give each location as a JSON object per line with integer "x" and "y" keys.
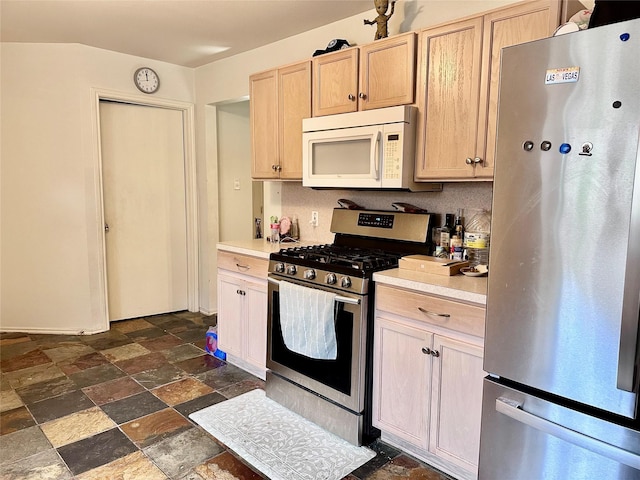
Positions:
{"x": 146, "y": 80}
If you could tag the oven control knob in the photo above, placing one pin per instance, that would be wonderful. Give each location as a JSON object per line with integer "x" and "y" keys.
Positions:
{"x": 345, "y": 282}
{"x": 330, "y": 278}
{"x": 291, "y": 269}
{"x": 310, "y": 274}
{"x": 279, "y": 267}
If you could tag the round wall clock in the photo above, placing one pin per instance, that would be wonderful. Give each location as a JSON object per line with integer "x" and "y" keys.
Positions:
{"x": 146, "y": 80}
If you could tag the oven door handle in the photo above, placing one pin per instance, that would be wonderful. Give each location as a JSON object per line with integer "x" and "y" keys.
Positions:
{"x": 339, "y": 298}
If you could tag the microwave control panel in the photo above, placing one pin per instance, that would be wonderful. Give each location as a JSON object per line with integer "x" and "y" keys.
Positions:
{"x": 392, "y": 153}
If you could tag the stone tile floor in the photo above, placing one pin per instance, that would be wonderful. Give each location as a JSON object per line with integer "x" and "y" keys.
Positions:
{"x": 115, "y": 405}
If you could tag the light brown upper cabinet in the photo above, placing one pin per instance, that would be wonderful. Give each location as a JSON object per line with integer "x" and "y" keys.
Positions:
{"x": 459, "y": 74}
{"x": 279, "y": 100}
{"x": 376, "y": 75}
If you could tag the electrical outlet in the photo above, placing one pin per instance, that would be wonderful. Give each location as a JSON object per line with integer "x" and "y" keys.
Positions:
{"x": 314, "y": 218}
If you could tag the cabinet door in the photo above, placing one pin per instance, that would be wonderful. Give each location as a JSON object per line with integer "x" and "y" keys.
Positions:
{"x": 456, "y": 402}
{"x": 294, "y": 100}
{"x": 263, "y": 113}
{"x": 387, "y": 72}
{"x": 230, "y": 314}
{"x": 256, "y": 327}
{"x": 401, "y": 380}
{"x": 450, "y": 60}
{"x": 504, "y": 28}
{"x": 335, "y": 82}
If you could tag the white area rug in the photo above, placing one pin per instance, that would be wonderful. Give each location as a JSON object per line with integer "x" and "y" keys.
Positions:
{"x": 279, "y": 443}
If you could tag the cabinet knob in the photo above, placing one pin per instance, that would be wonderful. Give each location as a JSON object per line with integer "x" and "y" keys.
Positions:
{"x": 435, "y": 353}
{"x": 426, "y": 351}
{"x": 273, "y": 167}
{"x": 362, "y": 95}
{"x": 351, "y": 97}
{"x": 469, "y": 161}
{"x": 477, "y": 160}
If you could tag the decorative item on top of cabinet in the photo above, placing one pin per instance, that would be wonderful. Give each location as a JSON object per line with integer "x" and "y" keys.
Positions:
{"x": 376, "y": 75}
{"x": 382, "y": 19}
{"x": 459, "y": 65}
{"x": 279, "y": 100}
{"x": 427, "y": 377}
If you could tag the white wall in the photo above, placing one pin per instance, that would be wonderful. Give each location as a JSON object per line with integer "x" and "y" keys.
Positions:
{"x": 51, "y": 247}
{"x": 234, "y": 154}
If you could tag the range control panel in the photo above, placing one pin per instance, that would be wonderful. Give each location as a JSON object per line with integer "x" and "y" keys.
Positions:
{"x": 377, "y": 220}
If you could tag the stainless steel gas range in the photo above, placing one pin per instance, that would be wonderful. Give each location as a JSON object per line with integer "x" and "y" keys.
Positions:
{"x": 334, "y": 391}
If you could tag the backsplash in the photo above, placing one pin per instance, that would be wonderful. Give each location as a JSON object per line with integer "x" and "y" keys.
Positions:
{"x": 300, "y": 201}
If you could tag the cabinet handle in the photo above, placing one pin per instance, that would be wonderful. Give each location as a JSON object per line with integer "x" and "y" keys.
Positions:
{"x": 351, "y": 97}
{"x": 426, "y": 351}
{"x": 435, "y": 353}
{"x": 427, "y": 312}
{"x": 240, "y": 265}
{"x": 362, "y": 95}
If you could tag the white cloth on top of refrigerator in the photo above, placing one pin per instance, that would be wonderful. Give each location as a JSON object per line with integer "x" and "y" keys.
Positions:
{"x": 307, "y": 321}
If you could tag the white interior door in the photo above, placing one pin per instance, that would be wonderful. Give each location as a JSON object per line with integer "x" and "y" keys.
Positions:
{"x": 144, "y": 209}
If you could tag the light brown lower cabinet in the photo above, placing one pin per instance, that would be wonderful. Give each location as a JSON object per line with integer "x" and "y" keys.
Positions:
{"x": 427, "y": 386}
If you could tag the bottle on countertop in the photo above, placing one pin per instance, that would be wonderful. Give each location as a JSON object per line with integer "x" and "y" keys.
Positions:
{"x": 295, "y": 228}
{"x": 476, "y": 238}
{"x": 445, "y": 235}
{"x": 458, "y": 225}
{"x": 456, "y": 248}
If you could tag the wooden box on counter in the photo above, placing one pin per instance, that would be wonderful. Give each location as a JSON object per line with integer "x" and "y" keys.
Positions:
{"x": 427, "y": 264}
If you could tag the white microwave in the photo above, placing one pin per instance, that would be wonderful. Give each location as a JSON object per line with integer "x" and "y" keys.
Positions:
{"x": 373, "y": 149}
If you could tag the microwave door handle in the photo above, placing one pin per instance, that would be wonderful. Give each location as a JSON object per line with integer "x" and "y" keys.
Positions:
{"x": 376, "y": 156}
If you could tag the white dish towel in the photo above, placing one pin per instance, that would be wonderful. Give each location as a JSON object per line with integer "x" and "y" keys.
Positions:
{"x": 306, "y": 319}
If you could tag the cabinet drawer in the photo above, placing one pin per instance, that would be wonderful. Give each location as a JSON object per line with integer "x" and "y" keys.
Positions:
{"x": 432, "y": 310}
{"x": 256, "y": 267}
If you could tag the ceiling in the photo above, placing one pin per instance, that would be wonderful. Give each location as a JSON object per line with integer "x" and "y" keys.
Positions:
{"x": 183, "y": 32}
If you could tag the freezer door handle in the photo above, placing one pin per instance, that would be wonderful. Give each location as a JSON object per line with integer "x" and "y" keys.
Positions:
{"x": 514, "y": 409}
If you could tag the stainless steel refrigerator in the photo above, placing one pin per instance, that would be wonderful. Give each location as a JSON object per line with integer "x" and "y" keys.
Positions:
{"x": 561, "y": 344}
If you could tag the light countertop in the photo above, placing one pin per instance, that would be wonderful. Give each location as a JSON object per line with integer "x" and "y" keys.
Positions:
{"x": 258, "y": 247}
{"x": 456, "y": 287}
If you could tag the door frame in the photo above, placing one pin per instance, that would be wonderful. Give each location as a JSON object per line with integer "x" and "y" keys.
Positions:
{"x": 191, "y": 193}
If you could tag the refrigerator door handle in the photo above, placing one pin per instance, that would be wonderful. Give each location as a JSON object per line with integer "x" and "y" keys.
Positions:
{"x": 514, "y": 410}
{"x": 628, "y": 355}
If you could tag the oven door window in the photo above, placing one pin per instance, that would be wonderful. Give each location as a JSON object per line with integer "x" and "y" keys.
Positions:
{"x": 333, "y": 373}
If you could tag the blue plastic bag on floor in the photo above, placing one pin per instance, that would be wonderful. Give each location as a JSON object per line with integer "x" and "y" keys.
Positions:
{"x": 211, "y": 344}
